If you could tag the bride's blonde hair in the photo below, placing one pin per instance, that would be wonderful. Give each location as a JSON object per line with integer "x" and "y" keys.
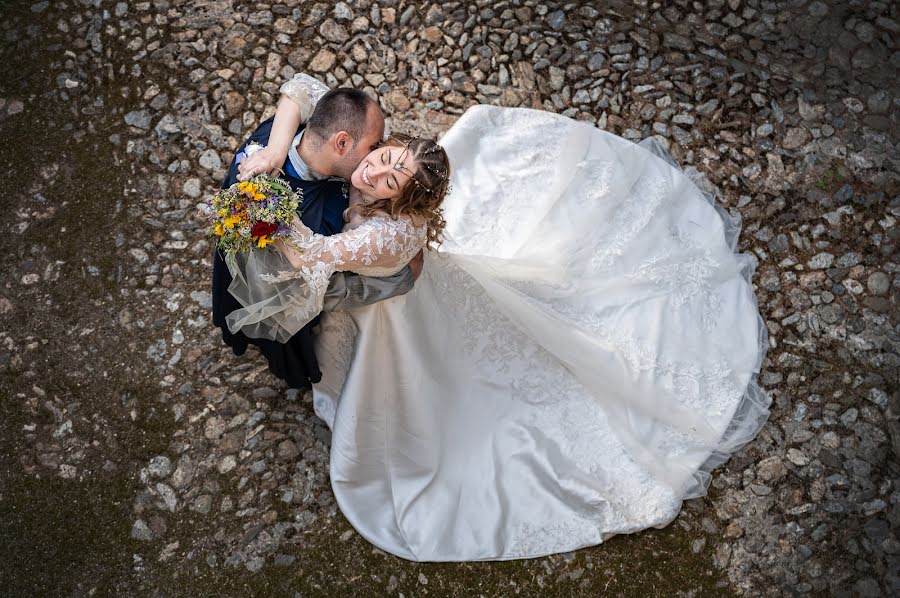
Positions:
{"x": 424, "y": 192}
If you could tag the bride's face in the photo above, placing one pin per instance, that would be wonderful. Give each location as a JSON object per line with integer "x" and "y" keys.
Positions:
{"x": 376, "y": 176}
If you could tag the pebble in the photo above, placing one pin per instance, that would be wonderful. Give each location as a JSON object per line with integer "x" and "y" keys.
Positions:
{"x": 138, "y": 118}
{"x": 227, "y": 464}
{"x": 160, "y": 466}
{"x": 322, "y": 61}
{"x": 140, "y": 531}
{"x": 797, "y": 458}
{"x": 795, "y": 138}
{"x": 771, "y": 469}
{"x": 210, "y": 160}
{"x": 878, "y": 283}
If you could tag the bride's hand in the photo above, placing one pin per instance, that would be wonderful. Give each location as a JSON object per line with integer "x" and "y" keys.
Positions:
{"x": 263, "y": 161}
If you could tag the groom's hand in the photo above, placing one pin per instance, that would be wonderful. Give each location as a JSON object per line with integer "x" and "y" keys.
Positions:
{"x": 417, "y": 263}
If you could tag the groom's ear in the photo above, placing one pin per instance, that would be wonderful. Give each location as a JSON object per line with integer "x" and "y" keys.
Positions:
{"x": 343, "y": 143}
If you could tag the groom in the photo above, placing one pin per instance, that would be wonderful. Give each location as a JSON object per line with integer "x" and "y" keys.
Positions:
{"x": 345, "y": 126}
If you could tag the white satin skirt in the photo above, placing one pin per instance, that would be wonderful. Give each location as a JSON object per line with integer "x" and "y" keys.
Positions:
{"x": 571, "y": 365}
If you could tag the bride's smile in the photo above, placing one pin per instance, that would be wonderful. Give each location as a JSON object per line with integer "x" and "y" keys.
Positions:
{"x": 378, "y": 175}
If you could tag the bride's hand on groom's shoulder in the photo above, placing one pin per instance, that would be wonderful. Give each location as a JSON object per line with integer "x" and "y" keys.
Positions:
{"x": 263, "y": 161}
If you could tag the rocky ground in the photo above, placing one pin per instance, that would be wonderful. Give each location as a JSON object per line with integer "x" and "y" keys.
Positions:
{"x": 139, "y": 457}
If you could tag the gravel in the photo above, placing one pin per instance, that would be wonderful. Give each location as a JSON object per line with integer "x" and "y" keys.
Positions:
{"x": 193, "y": 466}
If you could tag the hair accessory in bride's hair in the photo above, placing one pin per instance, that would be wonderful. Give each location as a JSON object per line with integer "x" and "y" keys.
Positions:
{"x": 441, "y": 174}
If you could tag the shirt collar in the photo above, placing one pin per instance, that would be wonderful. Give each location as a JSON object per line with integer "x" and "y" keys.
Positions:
{"x": 304, "y": 171}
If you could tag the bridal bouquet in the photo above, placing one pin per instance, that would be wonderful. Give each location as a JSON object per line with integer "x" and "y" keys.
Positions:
{"x": 252, "y": 214}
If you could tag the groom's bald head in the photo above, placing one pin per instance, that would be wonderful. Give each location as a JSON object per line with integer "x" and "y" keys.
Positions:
{"x": 347, "y": 123}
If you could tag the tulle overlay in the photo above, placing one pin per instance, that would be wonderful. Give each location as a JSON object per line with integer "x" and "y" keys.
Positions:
{"x": 279, "y": 298}
{"x": 572, "y": 365}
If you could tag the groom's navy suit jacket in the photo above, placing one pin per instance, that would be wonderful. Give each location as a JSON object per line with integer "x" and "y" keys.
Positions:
{"x": 321, "y": 210}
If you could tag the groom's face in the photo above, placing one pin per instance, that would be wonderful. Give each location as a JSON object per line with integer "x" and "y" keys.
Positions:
{"x": 345, "y": 153}
{"x": 370, "y": 140}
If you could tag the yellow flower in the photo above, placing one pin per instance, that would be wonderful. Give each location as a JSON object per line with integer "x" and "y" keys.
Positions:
{"x": 247, "y": 187}
{"x": 263, "y": 241}
{"x": 231, "y": 221}
{"x": 219, "y": 230}
{"x": 223, "y": 213}
{"x": 251, "y": 191}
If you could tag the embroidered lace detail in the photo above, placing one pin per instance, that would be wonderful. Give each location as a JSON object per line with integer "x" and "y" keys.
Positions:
{"x": 685, "y": 275}
{"x": 380, "y": 246}
{"x": 336, "y": 344}
{"x": 530, "y": 540}
{"x": 631, "y": 218}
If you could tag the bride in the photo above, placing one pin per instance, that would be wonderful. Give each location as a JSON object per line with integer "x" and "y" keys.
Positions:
{"x": 573, "y": 362}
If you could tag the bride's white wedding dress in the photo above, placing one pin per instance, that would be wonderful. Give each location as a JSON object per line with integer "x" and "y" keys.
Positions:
{"x": 570, "y": 366}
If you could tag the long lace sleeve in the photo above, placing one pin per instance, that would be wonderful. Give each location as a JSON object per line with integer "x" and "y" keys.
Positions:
{"x": 281, "y": 293}
{"x": 378, "y": 247}
{"x": 305, "y": 90}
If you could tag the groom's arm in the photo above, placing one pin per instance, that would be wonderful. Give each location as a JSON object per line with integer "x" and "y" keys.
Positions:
{"x": 347, "y": 290}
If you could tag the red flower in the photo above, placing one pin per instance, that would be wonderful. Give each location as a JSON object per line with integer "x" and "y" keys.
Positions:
{"x": 261, "y": 229}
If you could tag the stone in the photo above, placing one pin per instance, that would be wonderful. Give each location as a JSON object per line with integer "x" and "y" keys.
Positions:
{"x": 138, "y": 118}
{"x": 184, "y": 473}
{"x": 796, "y": 137}
{"x": 821, "y": 261}
{"x": 879, "y": 283}
{"x": 677, "y": 42}
{"x": 797, "y": 457}
{"x": 878, "y": 304}
{"x": 322, "y": 61}
{"x": 288, "y": 451}
{"x": 557, "y": 78}
{"x": 191, "y": 187}
{"x": 342, "y": 12}
{"x": 433, "y": 35}
{"x": 818, "y": 9}
{"x": 779, "y": 244}
{"x": 210, "y": 160}
{"x": 708, "y": 107}
{"x": 167, "y": 496}
{"x": 879, "y": 102}
{"x": 334, "y": 32}
{"x": 167, "y": 129}
{"x": 140, "y": 531}
{"x": 844, "y": 194}
{"x": 227, "y": 464}
{"x": 771, "y": 469}
{"x": 434, "y": 16}
{"x": 140, "y": 255}
{"x": 202, "y": 504}
{"x": 160, "y": 467}
{"x": 556, "y": 19}
{"x": 203, "y": 298}
{"x": 398, "y": 100}
{"x": 286, "y": 25}
{"x": 596, "y": 62}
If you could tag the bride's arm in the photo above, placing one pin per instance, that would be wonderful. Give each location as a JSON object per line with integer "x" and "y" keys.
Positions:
{"x": 377, "y": 243}
{"x": 300, "y": 95}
